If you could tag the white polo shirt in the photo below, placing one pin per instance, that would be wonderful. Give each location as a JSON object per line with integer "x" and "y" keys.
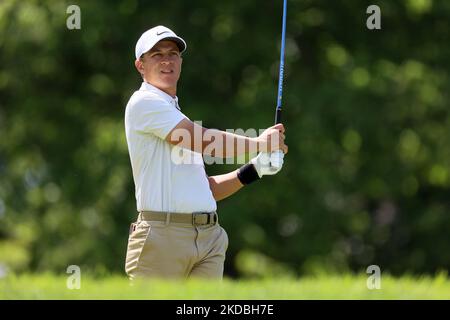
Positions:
{"x": 163, "y": 184}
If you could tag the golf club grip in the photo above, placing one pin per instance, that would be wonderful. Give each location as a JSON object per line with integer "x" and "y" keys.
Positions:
{"x": 278, "y": 116}
{"x": 276, "y": 157}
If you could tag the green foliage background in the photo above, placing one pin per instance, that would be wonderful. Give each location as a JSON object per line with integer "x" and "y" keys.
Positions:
{"x": 366, "y": 180}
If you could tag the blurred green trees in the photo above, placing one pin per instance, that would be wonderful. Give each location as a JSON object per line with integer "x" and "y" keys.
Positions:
{"x": 367, "y": 177}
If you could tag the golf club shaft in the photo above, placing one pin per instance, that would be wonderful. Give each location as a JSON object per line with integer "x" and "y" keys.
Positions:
{"x": 276, "y": 158}
{"x": 281, "y": 73}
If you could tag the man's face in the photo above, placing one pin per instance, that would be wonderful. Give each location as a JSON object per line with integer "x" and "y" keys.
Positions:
{"x": 161, "y": 66}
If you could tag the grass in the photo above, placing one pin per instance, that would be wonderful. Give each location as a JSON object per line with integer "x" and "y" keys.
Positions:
{"x": 48, "y": 286}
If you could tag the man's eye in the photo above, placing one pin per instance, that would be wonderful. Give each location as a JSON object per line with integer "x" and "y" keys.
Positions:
{"x": 174, "y": 53}
{"x": 157, "y": 55}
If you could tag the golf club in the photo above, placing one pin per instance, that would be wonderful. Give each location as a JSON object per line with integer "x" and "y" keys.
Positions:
{"x": 276, "y": 156}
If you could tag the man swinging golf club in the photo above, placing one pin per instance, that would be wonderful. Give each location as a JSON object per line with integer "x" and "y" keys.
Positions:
{"x": 177, "y": 234}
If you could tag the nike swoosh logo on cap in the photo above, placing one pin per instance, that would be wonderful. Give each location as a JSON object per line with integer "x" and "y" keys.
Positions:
{"x": 160, "y": 33}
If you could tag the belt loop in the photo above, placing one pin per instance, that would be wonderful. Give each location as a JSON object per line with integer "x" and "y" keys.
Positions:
{"x": 167, "y": 218}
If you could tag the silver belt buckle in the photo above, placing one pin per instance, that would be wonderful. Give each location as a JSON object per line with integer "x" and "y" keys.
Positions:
{"x": 211, "y": 218}
{"x": 194, "y": 221}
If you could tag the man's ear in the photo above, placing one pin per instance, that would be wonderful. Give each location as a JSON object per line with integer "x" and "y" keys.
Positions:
{"x": 139, "y": 66}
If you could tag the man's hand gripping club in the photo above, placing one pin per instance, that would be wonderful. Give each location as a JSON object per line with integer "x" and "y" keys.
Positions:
{"x": 272, "y": 142}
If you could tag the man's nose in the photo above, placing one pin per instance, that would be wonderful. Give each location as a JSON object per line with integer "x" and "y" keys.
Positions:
{"x": 166, "y": 59}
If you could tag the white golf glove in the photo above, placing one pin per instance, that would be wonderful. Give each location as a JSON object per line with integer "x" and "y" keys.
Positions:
{"x": 262, "y": 163}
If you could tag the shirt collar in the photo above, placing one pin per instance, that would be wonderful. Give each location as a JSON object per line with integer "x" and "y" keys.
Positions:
{"x": 149, "y": 87}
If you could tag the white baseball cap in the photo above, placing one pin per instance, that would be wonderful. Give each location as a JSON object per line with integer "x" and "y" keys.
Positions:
{"x": 152, "y": 36}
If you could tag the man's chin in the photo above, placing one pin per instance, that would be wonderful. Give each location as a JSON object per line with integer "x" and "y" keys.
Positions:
{"x": 168, "y": 80}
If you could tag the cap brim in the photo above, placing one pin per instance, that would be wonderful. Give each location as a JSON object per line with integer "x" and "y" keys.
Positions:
{"x": 179, "y": 42}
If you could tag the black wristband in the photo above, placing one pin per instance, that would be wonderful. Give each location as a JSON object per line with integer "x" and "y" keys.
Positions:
{"x": 247, "y": 174}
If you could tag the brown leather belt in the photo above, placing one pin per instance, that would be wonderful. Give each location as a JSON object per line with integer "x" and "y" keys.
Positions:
{"x": 195, "y": 219}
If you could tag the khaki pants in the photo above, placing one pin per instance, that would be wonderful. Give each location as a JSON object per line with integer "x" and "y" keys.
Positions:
{"x": 175, "y": 250}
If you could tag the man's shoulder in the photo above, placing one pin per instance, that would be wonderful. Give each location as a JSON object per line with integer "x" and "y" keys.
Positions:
{"x": 145, "y": 95}
{"x": 145, "y": 98}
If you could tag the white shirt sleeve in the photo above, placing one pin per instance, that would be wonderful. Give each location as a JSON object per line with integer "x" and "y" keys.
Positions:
{"x": 152, "y": 114}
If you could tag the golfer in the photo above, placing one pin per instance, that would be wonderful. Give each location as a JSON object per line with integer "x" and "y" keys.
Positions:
{"x": 177, "y": 234}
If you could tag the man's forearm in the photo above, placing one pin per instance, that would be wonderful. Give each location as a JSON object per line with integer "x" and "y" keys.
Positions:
{"x": 224, "y": 185}
{"x": 224, "y": 144}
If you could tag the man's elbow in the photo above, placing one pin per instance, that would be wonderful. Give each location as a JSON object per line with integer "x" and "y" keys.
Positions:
{"x": 213, "y": 188}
